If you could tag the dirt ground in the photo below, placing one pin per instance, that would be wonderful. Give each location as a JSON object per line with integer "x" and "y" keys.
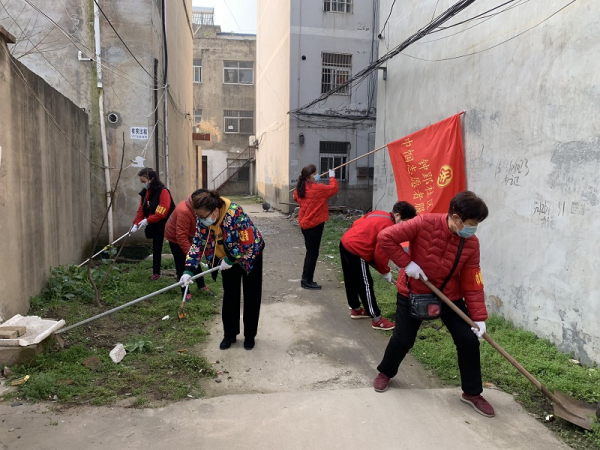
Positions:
{"x": 306, "y": 339}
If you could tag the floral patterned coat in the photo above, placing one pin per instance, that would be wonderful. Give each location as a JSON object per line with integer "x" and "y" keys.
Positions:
{"x": 241, "y": 241}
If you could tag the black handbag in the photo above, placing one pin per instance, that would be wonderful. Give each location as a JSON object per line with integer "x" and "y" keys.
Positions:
{"x": 429, "y": 306}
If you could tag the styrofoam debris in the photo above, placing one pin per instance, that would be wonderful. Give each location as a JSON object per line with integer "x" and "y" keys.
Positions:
{"x": 118, "y": 353}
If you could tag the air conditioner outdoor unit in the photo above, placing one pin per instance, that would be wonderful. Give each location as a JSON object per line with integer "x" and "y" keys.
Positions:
{"x": 252, "y": 142}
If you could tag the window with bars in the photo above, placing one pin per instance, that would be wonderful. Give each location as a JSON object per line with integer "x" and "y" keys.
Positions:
{"x": 343, "y": 6}
{"x": 197, "y": 116}
{"x": 238, "y": 122}
{"x": 336, "y": 68}
{"x": 238, "y": 72}
{"x": 333, "y": 154}
{"x": 197, "y": 71}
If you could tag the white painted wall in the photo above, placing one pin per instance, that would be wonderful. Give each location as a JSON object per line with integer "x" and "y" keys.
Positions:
{"x": 532, "y": 147}
{"x": 216, "y": 162}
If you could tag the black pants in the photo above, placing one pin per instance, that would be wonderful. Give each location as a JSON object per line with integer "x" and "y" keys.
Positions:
{"x": 252, "y": 284}
{"x": 312, "y": 242}
{"x": 179, "y": 258}
{"x": 358, "y": 282}
{"x": 158, "y": 237}
{"x": 467, "y": 344}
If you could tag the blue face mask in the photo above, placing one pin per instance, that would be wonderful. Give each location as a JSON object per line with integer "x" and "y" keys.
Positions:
{"x": 317, "y": 177}
{"x": 146, "y": 185}
{"x": 467, "y": 231}
{"x": 207, "y": 222}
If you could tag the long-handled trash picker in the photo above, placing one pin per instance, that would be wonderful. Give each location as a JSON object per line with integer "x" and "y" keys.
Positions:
{"x": 105, "y": 248}
{"x": 572, "y": 410}
{"x": 182, "y": 314}
{"x": 133, "y": 302}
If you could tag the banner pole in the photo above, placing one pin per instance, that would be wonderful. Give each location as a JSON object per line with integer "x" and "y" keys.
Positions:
{"x": 351, "y": 161}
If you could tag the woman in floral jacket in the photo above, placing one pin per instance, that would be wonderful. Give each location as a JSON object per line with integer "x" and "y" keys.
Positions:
{"x": 228, "y": 239}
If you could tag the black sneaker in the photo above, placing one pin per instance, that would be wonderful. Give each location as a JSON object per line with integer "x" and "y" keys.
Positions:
{"x": 226, "y": 343}
{"x": 249, "y": 343}
{"x": 309, "y": 285}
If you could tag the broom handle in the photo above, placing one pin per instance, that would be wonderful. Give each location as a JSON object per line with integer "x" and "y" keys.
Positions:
{"x": 492, "y": 342}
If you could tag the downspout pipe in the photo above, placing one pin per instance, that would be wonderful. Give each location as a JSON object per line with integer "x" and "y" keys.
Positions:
{"x": 102, "y": 123}
{"x": 166, "y": 125}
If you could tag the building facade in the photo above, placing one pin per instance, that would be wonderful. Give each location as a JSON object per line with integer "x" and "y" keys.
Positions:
{"x": 224, "y": 76}
{"x": 128, "y": 64}
{"x": 306, "y": 49}
{"x": 531, "y": 136}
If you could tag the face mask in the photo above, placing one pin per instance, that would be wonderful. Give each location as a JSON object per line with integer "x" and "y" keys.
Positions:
{"x": 467, "y": 231}
{"x": 207, "y": 222}
{"x": 146, "y": 185}
{"x": 317, "y": 177}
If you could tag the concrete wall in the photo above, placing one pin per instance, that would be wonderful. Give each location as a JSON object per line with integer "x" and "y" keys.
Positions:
{"x": 273, "y": 101}
{"x": 531, "y": 134}
{"x": 129, "y": 88}
{"x": 44, "y": 183}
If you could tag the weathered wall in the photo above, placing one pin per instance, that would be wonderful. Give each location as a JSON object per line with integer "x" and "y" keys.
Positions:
{"x": 44, "y": 183}
{"x": 532, "y": 139}
{"x": 273, "y": 101}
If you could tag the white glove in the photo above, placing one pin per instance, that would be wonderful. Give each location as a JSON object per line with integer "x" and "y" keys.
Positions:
{"x": 224, "y": 265}
{"x": 387, "y": 277}
{"x": 142, "y": 224}
{"x": 331, "y": 173}
{"x": 134, "y": 228}
{"x": 481, "y": 330}
{"x": 414, "y": 271}
{"x": 186, "y": 279}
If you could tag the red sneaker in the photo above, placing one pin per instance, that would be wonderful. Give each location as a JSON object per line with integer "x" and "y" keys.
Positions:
{"x": 479, "y": 404}
{"x": 383, "y": 324}
{"x": 155, "y": 277}
{"x": 359, "y": 313}
{"x": 208, "y": 291}
{"x": 188, "y": 297}
{"x": 381, "y": 382}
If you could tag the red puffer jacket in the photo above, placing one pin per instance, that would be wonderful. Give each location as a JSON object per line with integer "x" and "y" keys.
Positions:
{"x": 433, "y": 247}
{"x": 181, "y": 226}
{"x": 313, "y": 206}
{"x": 361, "y": 239}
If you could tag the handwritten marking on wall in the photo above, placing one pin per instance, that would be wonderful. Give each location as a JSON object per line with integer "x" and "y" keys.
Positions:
{"x": 511, "y": 172}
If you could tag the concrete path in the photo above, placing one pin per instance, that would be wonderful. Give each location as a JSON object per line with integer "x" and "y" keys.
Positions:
{"x": 306, "y": 385}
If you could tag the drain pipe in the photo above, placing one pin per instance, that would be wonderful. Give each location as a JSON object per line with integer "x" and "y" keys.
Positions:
{"x": 102, "y": 123}
{"x": 166, "y": 125}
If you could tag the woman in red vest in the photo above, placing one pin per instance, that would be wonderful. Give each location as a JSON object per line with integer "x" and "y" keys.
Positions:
{"x": 156, "y": 205}
{"x": 314, "y": 212}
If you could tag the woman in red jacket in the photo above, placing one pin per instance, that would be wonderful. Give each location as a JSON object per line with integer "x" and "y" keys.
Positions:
{"x": 179, "y": 232}
{"x": 435, "y": 241}
{"x": 156, "y": 205}
{"x": 314, "y": 212}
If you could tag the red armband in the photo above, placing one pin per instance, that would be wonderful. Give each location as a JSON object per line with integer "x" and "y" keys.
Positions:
{"x": 471, "y": 280}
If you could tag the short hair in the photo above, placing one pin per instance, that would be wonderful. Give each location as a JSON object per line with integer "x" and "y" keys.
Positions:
{"x": 208, "y": 200}
{"x": 468, "y": 206}
{"x": 405, "y": 209}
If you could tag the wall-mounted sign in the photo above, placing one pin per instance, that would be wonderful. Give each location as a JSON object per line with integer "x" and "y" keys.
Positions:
{"x": 139, "y": 132}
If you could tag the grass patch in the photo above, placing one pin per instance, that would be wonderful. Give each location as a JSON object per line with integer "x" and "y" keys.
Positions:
{"x": 159, "y": 365}
{"x": 435, "y": 349}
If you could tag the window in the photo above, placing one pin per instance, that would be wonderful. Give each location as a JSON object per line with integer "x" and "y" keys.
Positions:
{"x": 334, "y": 154}
{"x": 197, "y": 116}
{"x": 238, "y": 72}
{"x": 197, "y": 71}
{"x": 335, "y": 72}
{"x": 240, "y": 122}
{"x": 343, "y": 6}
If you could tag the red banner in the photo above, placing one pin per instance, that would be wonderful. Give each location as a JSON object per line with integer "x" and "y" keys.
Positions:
{"x": 429, "y": 165}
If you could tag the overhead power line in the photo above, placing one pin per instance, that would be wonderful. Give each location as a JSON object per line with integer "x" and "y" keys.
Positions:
{"x": 438, "y": 21}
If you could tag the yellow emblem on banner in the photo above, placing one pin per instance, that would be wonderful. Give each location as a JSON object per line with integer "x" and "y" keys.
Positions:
{"x": 445, "y": 176}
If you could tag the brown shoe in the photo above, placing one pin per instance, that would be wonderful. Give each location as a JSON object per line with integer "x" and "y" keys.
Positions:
{"x": 479, "y": 404}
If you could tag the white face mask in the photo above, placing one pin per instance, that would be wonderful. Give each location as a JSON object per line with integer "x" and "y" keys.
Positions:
{"x": 467, "y": 231}
{"x": 146, "y": 185}
{"x": 207, "y": 222}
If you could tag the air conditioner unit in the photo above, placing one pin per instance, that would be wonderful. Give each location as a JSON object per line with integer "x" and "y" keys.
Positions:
{"x": 252, "y": 142}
